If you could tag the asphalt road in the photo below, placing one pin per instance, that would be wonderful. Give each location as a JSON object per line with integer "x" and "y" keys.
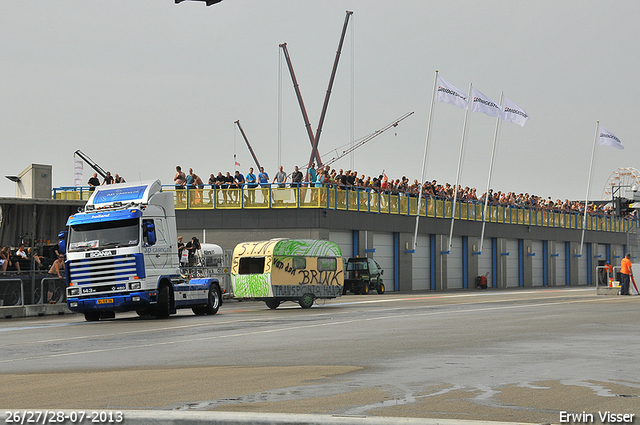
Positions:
{"x": 509, "y": 355}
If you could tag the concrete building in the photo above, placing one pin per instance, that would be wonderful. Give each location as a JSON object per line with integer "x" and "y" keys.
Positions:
{"x": 513, "y": 255}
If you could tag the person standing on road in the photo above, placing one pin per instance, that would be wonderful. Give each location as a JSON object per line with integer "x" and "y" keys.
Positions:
{"x": 626, "y": 274}
{"x": 180, "y": 249}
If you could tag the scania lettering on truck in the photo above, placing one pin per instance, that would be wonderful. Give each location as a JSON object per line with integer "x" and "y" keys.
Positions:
{"x": 122, "y": 255}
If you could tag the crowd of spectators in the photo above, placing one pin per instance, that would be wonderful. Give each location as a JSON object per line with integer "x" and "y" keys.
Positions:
{"x": 108, "y": 179}
{"x": 349, "y": 180}
{"x": 24, "y": 259}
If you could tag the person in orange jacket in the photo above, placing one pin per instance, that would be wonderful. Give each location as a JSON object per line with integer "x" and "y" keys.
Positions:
{"x": 626, "y": 273}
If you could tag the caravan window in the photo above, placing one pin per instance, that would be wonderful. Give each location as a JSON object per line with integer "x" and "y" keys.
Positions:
{"x": 299, "y": 263}
{"x": 251, "y": 265}
{"x": 327, "y": 264}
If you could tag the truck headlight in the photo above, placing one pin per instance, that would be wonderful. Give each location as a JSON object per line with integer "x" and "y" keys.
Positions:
{"x": 135, "y": 285}
{"x": 73, "y": 304}
{"x": 74, "y": 291}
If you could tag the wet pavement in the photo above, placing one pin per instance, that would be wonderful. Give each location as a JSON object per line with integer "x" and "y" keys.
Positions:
{"x": 519, "y": 356}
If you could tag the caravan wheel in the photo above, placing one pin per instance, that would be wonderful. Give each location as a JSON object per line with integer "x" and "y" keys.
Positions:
{"x": 306, "y": 301}
{"x": 272, "y": 303}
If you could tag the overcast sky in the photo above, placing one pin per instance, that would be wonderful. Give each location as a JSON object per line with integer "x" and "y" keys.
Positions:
{"x": 144, "y": 85}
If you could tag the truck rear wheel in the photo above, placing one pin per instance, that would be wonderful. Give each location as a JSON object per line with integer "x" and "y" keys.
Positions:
{"x": 213, "y": 303}
{"x": 365, "y": 289}
{"x": 306, "y": 301}
{"x": 164, "y": 303}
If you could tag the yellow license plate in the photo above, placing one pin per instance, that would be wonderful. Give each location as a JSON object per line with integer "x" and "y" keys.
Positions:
{"x": 105, "y": 301}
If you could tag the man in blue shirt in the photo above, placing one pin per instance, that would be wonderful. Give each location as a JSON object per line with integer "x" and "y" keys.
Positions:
{"x": 263, "y": 178}
{"x": 190, "y": 179}
{"x": 311, "y": 178}
{"x": 239, "y": 183}
{"x": 251, "y": 185}
{"x": 311, "y": 174}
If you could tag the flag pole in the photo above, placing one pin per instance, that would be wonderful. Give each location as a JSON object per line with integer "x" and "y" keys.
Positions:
{"x": 424, "y": 160}
{"x": 455, "y": 188}
{"x": 493, "y": 155}
{"x": 586, "y": 197}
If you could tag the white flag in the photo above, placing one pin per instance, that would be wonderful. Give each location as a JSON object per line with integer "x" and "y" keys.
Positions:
{"x": 77, "y": 171}
{"x": 514, "y": 113}
{"x": 605, "y": 137}
{"x": 448, "y": 93}
{"x": 484, "y": 104}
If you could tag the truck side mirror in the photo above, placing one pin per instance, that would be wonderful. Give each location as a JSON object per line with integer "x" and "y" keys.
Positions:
{"x": 62, "y": 242}
{"x": 150, "y": 233}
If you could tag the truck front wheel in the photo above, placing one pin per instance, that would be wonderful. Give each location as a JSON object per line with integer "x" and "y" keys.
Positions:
{"x": 164, "y": 303}
{"x": 144, "y": 312}
{"x": 92, "y": 316}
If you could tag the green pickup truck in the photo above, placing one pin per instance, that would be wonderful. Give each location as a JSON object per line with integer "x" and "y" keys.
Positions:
{"x": 362, "y": 275}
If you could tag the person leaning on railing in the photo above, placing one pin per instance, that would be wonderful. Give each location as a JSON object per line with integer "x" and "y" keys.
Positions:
{"x": 296, "y": 177}
{"x": 57, "y": 267}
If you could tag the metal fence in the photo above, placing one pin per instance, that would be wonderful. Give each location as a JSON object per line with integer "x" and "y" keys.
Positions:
{"x": 28, "y": 288}
{"x": 333, "y": 197}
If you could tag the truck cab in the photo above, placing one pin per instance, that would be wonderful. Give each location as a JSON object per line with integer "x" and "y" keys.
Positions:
{"x": 122, "y": 255}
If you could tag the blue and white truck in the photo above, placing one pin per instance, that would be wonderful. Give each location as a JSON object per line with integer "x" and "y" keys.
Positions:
{"x": 122, "y": 255}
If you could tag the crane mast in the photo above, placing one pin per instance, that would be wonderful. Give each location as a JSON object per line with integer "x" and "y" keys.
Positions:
{"x": 314, "y": 149}
{"x": 315, "y": 138}
{"x": 370, "y": 137}
{"x": 244, "y": 136}
{"x": 296, "y": 87}
{"x": 92, "y": 164}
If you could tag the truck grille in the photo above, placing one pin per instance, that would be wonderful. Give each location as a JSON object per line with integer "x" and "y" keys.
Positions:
{"x": 102, "y": 270}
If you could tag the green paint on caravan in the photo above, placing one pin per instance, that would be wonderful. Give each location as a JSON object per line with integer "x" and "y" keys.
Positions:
{"x": 251, "y": 285}
{"x": 306, "y": 248}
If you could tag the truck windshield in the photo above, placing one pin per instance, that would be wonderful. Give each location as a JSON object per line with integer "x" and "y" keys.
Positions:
{"x": 104, "y": 234}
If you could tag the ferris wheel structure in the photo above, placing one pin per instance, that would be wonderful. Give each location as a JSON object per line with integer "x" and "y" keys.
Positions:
{"x": 621, "y": 183}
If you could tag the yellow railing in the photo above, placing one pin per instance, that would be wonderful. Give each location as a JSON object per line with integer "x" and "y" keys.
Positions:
{"x": 72, "y": 194}
{"x": 372, "y": 202}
